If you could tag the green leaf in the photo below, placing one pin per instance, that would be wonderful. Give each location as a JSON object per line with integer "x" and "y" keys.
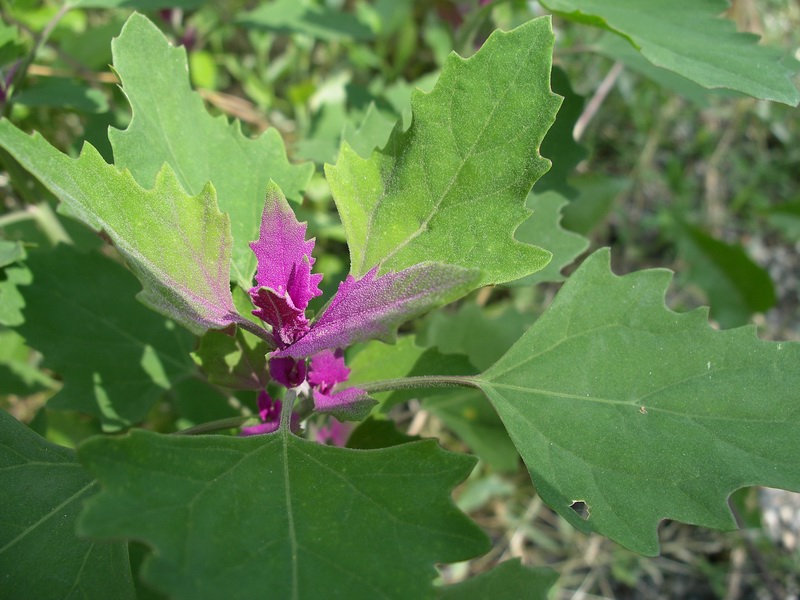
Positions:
{"x": 61, "y": 92}
{"x": 689, "y": 38}
{"x": 595, "y": 199}
{"x": 170, "y": 124}
{"x": 374, "y": 433}
{"x": 11, "y": 252}
{"x": 196, "y": 403}
{"x": 306, "y": 17}
{"x": 509, "y": 580}
{"x": 466, "y": 413}
{"x": 644, "y": 414}
{"x": 237, "y": 362}
{"x": 544, "y": 229}
{"x": 735, "y": 285}
{"x": 13, "y": 275}
{"x": 40, "y": 556}
{"x": 372, "y": 132}
{"x": 378, "y": 361}
{"x": 559, "y": 145}
{"x": 451, "y": 189}
{"x": 301, "y": 519}
{"x": 333, "y": 124}
{"x": 483, "y": 334}
{"x": 786, "y": 217}
{"x": 139, "y": 4}
{"x": 18, "y": 372}
{"x": 115, "y": 357}
{"x": 11, "y": 47}
{"x": 619, "y": 49}
{"x": 178, "y": 246}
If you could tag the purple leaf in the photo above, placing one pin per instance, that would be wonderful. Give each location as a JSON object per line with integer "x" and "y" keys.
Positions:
{"x": 260, "y": 429}
{"x": 288, "y": 322}
{"x": 334, "y": 432}
{"x": 288, "y": 371}
{"x": 284, "y": 255}
{"x": 327, "y": 369}
{"x": 269, "y": 411}
{"x": 373, "y": 307}
{"x": 351, "y": 404}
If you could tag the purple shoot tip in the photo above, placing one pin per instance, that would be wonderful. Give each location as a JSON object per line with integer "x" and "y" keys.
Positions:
{"x": 284, "y": 282}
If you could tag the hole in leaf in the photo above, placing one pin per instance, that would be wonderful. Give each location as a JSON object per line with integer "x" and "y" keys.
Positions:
{"x": 581, "y": 509}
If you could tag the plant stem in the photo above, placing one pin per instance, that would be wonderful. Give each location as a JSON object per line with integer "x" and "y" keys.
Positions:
{"x": 257, "y": 331}
{"x": 44, "y": 217}
{"x": 228, "y": 423}
{"x": 287, "y": 404}
{"x": 428, "y": 381}
{"x": 51, "y": 226}
{"x": 18, "y": 216}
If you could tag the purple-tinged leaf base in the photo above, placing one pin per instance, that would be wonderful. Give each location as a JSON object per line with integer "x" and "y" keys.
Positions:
{"x": 373, "y": 307}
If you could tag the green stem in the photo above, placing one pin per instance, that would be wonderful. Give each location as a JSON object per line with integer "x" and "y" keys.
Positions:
{"x": 51, "y": 226}
{"x": 18, "y": 216}
{"x": 429, "y": 381}
{"x": 219, "y": 425}
{"x": 44, "y": 217}
{"x": 287, "y": 404}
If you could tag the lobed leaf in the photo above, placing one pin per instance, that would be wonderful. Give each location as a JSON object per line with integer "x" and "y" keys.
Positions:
{"x": 619, "y": 49}
{"x": 11, "y": 252}
{"x": 114, "y": 356}
{"x": 451, "y": 188}
{"x": 689, "y": 38}
{"x": 303, "y": 520}
{"x": 483, "y": 334}
{"x": 177, "y": 245}
{"x": 509, "y": 580}
{"x": 559, "y": 145}
{"x": 43, "y": 488}
{"x": 544, "y": 228}
{"x": 736, "y": 286}
{"x": 299, "y": 16}
{"x": 19, "y": 372}
{"x": 13, "y": 278}
{"x": 65, "y": 93}
{"x": 170, "y": 124}
{"x": 644, "y": 414}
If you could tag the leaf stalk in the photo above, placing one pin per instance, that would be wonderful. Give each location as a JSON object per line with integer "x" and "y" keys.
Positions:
{"x": 427, "y": 381}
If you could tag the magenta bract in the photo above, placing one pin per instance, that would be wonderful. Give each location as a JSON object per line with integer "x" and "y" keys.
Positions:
{"x": 327, "y": 369}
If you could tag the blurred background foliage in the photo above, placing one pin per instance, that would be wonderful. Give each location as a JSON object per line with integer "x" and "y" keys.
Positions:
{"x": 668, "y": 173}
